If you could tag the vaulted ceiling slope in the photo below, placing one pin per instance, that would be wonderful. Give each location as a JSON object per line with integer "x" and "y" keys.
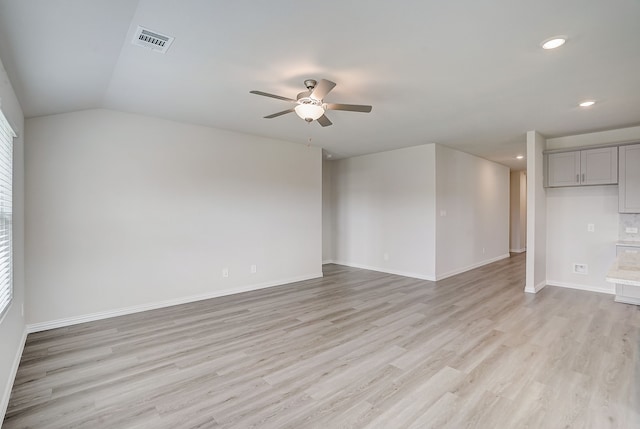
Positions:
{"x": 468, "y": 74}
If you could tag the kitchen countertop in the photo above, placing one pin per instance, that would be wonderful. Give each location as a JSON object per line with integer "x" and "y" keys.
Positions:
{"x": 625, "y": 270}
{"x": 628, "y": 243}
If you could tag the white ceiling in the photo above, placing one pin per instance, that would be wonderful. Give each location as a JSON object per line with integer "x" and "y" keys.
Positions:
{"x": 468, "y": 74}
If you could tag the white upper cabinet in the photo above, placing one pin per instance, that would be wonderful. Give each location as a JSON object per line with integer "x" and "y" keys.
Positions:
{"x": 629, "y": 189}
{"x": 599, "y": 166}
{"x": 563, "y": 169}
{"x": 582, "y": 167}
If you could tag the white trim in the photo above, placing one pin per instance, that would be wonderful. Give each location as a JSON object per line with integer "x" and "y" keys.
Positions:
{"x": 524, "y": 249}
{"x": 471, "y": 267}
{"x": 537, "y": 288}
{"x": 620, "y": 281}
{"x": 627, "y": 300}
{"x": 581, "y": 287}
{"x": 12, "y": 376}
{"x": 59, "y": 323}
{"x": 388, "y": 271}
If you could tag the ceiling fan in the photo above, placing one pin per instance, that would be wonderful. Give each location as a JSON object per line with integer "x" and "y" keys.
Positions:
{"x": 310, "y": 105}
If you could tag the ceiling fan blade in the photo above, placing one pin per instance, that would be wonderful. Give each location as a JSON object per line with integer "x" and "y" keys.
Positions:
{"x": 275, "y": 115}
{"x": 324, "y": 121}
{"x": 266, "y": 94}
{"x": 348, "y": 107}
{"x": 322, "y": 89}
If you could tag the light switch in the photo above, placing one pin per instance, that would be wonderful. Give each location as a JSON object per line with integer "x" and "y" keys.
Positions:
{"x": 591, "y": 227}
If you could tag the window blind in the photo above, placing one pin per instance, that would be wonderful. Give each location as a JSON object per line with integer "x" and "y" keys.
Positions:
{"x": 6, "y": 230}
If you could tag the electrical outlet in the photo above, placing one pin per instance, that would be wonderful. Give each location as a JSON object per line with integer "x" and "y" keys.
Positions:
{"x": 254, "y": 269}
{"x": 385, "y": 256}
{"x": 483, "y": 250}
{"x": 581, "y": 268}
{"x": 631, "y": 230}
{"x": 225, "y": 272}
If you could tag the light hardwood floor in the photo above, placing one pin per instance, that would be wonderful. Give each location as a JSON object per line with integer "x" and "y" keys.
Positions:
{"x": 356, "y": 349}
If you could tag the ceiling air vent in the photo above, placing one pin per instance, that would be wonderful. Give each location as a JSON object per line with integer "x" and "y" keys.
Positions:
{"x": 152, "y": 40}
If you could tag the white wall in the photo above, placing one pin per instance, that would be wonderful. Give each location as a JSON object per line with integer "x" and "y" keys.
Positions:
{"x": 328, "y": 213}
{"x": 472, "y": 206}
{"x": 518, "y": 212}
{"x": 385, "y": 206}
{"x": 127, "y": 212}
{"x": 12, "y": 325}
{"x": 536, "y": 214}
{"x": 427, "y": 211}
{"x": 523, "y": 210}
{"x": 569, "y": 211}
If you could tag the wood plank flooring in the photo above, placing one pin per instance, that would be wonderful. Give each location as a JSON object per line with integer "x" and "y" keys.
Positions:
{"x": 356, "y": 349}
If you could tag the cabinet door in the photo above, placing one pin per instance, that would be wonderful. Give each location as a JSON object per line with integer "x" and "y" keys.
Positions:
{"x": 563, "y": 169}
{"x": 629, "y": 189}
{"x": 599, "y": 166}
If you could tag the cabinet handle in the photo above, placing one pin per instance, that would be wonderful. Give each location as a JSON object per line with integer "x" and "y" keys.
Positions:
{"x": 578, "y": 178}
{"x": 583, "y": 177}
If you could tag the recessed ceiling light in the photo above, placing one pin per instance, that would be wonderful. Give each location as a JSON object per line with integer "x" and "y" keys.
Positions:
{"x": 554, "y": 42}
{"x": 587, "y": 103}
{"x": 519, "y": 157}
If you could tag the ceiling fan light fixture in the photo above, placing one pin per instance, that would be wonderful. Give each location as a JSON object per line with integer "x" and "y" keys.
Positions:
{"x": 309, "y": 110}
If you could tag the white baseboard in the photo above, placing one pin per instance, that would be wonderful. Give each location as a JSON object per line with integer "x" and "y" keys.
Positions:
{"x": 388, "y": 271}
{"x": 429, "y": 277}
{"x": 12, "y": 376}
{"x": 471, "y": 267}
{"x": 59, "y": 323}
{"x": 581, "y": 287}
{"x": 328, "y": 261}
{"x": 537, "y": 288}
{"x": 524, "y": 249}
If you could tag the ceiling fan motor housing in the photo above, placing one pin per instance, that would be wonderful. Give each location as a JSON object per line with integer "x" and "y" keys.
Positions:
{"x": 310, "y": 84}
{"x": 309, "y": 100}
